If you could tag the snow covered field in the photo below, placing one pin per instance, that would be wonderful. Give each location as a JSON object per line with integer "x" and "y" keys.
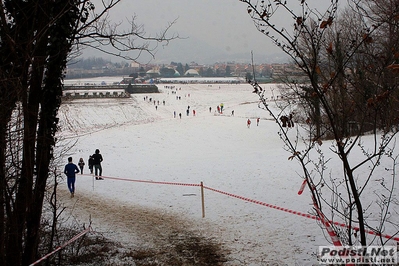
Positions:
{"x": 140, "y": 141}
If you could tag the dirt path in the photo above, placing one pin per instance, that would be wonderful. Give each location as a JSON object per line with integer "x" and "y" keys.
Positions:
{"x": 153, "y": 237}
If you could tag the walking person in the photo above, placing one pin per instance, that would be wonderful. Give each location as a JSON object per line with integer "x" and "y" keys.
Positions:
{"x": 70, "y": 171}
{"x": 97, "y": 159}
{"x": 91, "y": 164}
{"x": 81, "y": 164}
{"x": 257, "y": 121}
{"x": 249, "y": 123}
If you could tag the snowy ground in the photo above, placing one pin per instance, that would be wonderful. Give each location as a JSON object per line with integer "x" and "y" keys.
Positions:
{"x": 141, "y": 142}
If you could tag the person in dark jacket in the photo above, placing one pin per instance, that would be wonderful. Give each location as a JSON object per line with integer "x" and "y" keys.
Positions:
{"x": 70, "y": 171}
{"x": 81, "y": 165}
{"x": 97, "y": 159}
{"x": 91, "y": 164}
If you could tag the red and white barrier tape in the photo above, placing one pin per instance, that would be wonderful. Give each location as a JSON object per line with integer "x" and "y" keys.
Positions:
{"x": 299, "y": 213}
{"x": 149, "y": 181}
{"x": 302, "y": 187}
{"x": 62, "y": 246}
{"x": 263, "y": 204}
{"x": 331, "y": 233}
{"x": 253, "y": 201}
{"x": 326, "y": 223}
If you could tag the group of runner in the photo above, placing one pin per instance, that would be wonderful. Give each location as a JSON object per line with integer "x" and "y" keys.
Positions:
{"x": 72, "y": 169}
{"x": 249, "y": 122}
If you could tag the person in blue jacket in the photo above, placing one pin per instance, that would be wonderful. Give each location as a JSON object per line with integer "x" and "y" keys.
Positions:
{"x": 70, "y": 171}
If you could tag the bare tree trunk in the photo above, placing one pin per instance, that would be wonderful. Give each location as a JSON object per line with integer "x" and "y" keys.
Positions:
{"x": 356, "y": 197}
{"x": 36, "y": 40}
{"x": 2, "y": 189}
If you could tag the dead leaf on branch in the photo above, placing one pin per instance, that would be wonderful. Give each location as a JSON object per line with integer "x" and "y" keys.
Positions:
{"x": 326, "y": 23}
{"x": 383, "y": 96}
{"x": 367, "y": 39}
{"x": 318, "y": 141}
{"x": 330, "y": 48}
{"x": 325, "y": 87}
{"x": 293, "y": 156}
{"x": 370, "y": 102}
{"x": 318, "y": 70}
{"x": 299, "y": 20}
{"x": 394, "y": 68}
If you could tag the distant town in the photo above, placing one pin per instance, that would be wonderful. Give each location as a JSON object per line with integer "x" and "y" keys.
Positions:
{"x": 141, "y": 73}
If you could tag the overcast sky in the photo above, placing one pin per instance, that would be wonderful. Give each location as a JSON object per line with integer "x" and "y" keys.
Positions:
{"x": 214, "y": 30}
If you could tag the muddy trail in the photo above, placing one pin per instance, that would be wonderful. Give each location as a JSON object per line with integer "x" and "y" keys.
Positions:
{"x": 146, "y": 236}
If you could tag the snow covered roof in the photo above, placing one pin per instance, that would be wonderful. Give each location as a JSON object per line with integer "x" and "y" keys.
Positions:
{"x": 191, "y": 72}
{"x": 152, "y": 71}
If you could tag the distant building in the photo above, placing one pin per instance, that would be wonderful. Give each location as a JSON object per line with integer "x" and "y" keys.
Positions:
{"x": 134, "y": 65}
{"x": 288, "y": 73}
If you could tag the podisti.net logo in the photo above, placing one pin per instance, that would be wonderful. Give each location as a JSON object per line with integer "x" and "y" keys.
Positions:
{"x": 372, "y": 255}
